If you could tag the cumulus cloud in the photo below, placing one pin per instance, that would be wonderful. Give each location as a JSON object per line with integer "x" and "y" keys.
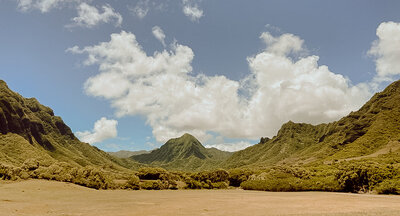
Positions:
{"x": 386, "y": 50}
{"x": 89, "y": 16}
{"x": 159, "y": 34}
{"x": 230, "y": 147}
{"x": 103, "y": 129}
{"x": 192, "y": 10}
{"x": 42, "y": 5}
{"x": 163, "y": 88}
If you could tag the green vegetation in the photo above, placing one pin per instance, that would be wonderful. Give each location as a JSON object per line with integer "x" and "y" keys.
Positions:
{"x": 389, "y": 186}
{"x": 29, "y": 129}
{"x": 369, "y": 132}
{"x": 358, "y": 153}
{"x": 133, "y": 183}
{"x": 185, "y": 153}
{"x": 86, "y": 176}
{"x": 217, "y": 179}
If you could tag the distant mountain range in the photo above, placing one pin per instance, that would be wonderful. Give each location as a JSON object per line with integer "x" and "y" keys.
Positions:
{"x": 30, "y": 130}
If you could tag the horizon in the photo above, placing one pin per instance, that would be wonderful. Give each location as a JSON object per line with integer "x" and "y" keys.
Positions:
{"x": 131, "y": 75}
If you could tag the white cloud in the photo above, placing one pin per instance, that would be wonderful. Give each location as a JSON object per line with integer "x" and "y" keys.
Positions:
{"x": 283, "y": 45}
{"x": 162, "y": 88}
{"x": 89, "y": 16}
{"x": 230, "y": 147}
{"x": 141, "y": 9}
{"x": 192, "y": 10}
{"x": 159, "y": 34}
{"x": 43, "y": 5}
{"x": 103, "y": 129}
{"x": 387, "y": 50}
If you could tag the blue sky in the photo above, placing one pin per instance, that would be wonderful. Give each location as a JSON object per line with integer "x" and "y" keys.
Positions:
{"x": 228, "y": 72}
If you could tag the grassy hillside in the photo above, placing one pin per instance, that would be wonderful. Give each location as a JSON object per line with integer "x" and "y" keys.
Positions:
{"x": 127, "y": 154}
{"x": 372, "y": 131}
{"x": 29, "y": 130}
{"x": 183, "y": 153}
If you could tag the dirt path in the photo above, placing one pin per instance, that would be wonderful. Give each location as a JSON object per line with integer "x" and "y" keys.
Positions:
{"x": 36, "y": 197}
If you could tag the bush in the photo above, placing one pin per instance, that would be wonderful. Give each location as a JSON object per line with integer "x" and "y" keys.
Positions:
{"x": 237, "y": 176}
{"x": 173, "y": 185}
{"x": 193, "y": 184}
{"x": 30, "y": 164}
{"x": 207, "y": 180}
{"x": 391, "y": 186}
{"x": 363, "y": 176}
{"x": 150, "y": 173}
{"x": 219, "y": 185}
{"x": 92, "y": 177}
{"x": 292, "y": 179}
{"x": 152, "y": 185}
{"x": 133, "y": 183}
{"x": 7, "y": 172}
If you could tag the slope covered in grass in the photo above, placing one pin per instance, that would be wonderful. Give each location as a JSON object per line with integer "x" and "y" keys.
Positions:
{"x": 184, "y": 153}
{"x": 375, "y": 127}
{"x": 30, "y": 130}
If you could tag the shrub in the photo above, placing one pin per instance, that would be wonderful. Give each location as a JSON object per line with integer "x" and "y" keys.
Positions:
{"x": 292, "y": 179}
{"x": 193, "y": 184}
{"x": 213, "y": 176}
{"x": 207, "y": 180}
{"x": 237, "y": 176}
{"x": 391, "y": 186}
{"x": 30, "y": 164}
{"x": 362, "y": 176}
{"x": 7, "y": 172}
{"x": 91, "y": 177}
{"x": 132, "y": 183}
{"x": 150, "y": 173}
{"x": 152, "y": 185}
{"x": 219, "y": 185}
{"x": 173, "y": 185}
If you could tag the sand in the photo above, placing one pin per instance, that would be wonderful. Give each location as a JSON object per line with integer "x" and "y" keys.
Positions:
{"x": 39, "y": 197}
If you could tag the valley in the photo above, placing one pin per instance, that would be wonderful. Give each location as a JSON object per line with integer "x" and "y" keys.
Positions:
{"x": 358, "y": 153}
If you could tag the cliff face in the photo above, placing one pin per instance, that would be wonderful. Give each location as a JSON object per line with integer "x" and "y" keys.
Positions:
{"x": 29, "y": 129}
{"x": 29, "y": 119}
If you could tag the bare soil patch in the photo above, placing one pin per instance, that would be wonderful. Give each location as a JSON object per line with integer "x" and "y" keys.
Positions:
{"x": 38, "y": 197}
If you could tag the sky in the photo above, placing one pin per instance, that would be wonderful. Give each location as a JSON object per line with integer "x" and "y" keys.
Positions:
{"x": 129, "y": 75}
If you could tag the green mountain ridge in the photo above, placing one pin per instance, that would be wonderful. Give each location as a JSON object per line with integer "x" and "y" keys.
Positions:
{"x": 29, "y": 129}
{"x": 185, "y": 153}
{"x": 372, "y": 131}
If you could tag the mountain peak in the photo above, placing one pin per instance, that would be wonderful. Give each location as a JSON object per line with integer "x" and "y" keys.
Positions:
{"x": 187, "y": 135}
{"x": 3, "y": 83}
{"x": 174, "y": 149}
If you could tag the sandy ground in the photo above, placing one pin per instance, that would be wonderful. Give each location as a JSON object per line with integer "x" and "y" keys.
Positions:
{"x": 38, "y": 197}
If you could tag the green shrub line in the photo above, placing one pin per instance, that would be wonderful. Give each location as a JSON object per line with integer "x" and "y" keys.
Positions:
{"x": 345, "y": 176}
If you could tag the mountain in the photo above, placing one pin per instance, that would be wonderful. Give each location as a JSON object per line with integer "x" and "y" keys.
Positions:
{"x": 372, "y": 131}
{"x": 184, "y": 153}
{"x": 29, "y": 129}
{"x": 127, "y": 154}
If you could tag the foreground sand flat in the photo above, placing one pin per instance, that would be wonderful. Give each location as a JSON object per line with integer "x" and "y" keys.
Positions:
{"x": 38, "y": 197}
